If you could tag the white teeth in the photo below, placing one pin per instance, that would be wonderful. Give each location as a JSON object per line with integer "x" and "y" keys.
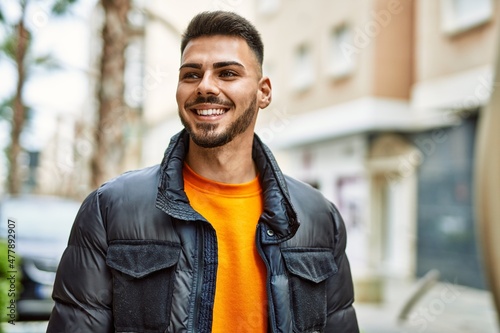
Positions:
{"x": 210, "y": 112}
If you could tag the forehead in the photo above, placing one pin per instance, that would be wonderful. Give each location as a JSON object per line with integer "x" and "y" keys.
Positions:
{"x": 218, "y": 48}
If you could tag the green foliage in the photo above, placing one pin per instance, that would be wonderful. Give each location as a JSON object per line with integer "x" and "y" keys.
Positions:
{"x": 47, "y": 61}
{"x": 4, "y": 284}
{"x": 6, "y": 109}
{"x": 62, "y": 6}
{"x": 5, "y": 262}
{"x": 31, "y": 62}
{"x": 8, "y": 46}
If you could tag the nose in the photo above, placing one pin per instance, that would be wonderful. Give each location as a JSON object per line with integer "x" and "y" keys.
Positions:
{"x": 207, "y": 85}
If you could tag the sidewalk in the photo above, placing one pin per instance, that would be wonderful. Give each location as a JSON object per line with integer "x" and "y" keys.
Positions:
{"x": 445, "y": 308}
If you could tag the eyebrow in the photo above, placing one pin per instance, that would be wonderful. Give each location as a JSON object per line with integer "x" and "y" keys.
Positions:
{"x": 190, "y": 65}
{"x": 226, "y": 64}
{"x": 216, "y": 65}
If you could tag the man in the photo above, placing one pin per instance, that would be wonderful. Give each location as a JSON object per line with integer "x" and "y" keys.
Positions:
{"x": 216, "y": 238}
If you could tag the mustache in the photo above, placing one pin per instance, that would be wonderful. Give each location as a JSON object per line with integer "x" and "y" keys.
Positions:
{"x": 208, "y": 100}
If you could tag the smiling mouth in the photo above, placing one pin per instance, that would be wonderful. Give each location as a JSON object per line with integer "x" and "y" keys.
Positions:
{"x": 209, "y": 112}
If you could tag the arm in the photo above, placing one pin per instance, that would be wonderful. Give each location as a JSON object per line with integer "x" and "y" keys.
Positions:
{"x": 341, "y": 314}
{"x": 82, "y": 289}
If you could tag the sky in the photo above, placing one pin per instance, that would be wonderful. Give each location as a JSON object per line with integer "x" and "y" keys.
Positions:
{"x": 60, "y": 92}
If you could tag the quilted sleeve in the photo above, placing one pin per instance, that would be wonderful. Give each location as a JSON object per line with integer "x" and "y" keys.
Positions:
{"x": 82, "y": 289}
{"x": 341, "y": 314}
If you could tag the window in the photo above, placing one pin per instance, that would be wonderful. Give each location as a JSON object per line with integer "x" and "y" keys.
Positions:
{"x": 304, "y": 68}
{"x": 461, "y": 15}
{"x": 341, "y": 62}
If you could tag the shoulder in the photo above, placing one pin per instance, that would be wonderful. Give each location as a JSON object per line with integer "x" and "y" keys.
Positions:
{"x": 321, "y": 224}
{"x": 124, "y": 189}
{"x": 128, "y": 192}
{"x": 131, "y": 183}
{"x": 304, "y": 195}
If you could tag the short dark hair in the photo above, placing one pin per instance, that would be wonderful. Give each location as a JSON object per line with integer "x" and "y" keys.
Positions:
{"x": 224, "y": 23}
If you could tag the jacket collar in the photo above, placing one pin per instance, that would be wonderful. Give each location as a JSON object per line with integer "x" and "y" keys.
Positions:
{"x": 279, "y": 216}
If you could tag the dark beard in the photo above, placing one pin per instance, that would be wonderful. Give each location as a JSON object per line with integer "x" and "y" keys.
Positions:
{"x": 207, "y": 139}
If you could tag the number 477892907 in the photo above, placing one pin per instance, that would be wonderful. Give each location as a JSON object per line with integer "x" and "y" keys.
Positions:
{"x": 11, "y": 244}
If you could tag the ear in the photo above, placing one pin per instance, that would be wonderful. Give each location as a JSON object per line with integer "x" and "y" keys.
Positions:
{"x": 264, "y": 95}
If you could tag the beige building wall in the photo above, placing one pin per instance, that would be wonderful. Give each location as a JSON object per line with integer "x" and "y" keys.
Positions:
{"x": 320, "y": 131}
{"x": 360, "y": 79}
{"x": 453, "y": 67}
{"x": 374, "y": 25}
{"x": 442, "y": 53}
{"x": 393, "y": 54}
{"x": 305, "y": 24}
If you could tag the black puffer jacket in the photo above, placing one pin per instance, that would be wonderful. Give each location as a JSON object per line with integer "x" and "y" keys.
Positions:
{"x": 140, "y": 259}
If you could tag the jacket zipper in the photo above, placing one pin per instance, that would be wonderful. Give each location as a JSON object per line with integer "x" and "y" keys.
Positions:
{"x": 199, "y": 278}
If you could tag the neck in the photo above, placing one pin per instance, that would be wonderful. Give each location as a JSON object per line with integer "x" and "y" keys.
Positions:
{"x": 230, "y": 164}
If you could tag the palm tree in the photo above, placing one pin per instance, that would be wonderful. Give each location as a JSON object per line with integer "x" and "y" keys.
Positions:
{"x": 16, "y": 48}
{"x": 108, "y": 155}
{"x": 488, "y": 184}
{"x": 109, "y": 142}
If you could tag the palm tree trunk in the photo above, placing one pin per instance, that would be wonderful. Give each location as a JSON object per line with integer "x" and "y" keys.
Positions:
{"x": 488, "y": 185}
{"x": 108, "y": 155}
{"x": 19, "y": 111}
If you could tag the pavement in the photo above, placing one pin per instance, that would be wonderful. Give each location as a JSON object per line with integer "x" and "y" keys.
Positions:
{"x": 442, "y": 308}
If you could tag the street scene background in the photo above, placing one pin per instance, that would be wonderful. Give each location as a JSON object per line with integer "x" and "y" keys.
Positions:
{"x": 376, "y": 103}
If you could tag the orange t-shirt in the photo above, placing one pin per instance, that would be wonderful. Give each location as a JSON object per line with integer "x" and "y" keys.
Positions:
{"x": 233, "y": 210}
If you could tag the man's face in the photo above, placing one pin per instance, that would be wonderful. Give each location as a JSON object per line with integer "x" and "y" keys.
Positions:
{"x": 220, "y": 90}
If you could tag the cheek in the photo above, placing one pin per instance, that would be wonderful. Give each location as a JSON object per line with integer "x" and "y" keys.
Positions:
{"x": 242, "y": 94}
{"x": 180, "y": 96}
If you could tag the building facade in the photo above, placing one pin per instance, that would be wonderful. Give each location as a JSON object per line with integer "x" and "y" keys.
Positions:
{"x": 455, "y": 56}
{"x": 376, "y": 104}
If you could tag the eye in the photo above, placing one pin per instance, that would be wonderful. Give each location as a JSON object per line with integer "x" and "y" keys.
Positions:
{"x": 228, "y": 73}
{"x": 190, "y": 76}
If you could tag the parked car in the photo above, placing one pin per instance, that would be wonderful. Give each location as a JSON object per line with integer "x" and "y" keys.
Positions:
{"x": 41, "y": 226}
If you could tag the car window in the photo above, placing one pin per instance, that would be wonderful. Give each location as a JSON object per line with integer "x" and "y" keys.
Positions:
{"x": 39, "y": 218}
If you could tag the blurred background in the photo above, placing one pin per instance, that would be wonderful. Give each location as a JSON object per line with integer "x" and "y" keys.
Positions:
{"x": 377, "y": 103}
